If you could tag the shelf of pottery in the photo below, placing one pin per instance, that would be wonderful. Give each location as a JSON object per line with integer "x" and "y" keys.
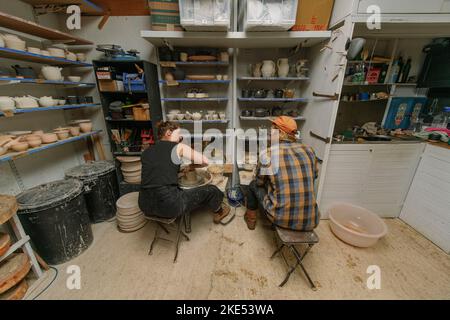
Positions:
{"x": 37, "y": 79}
{"x": 269, "y": 84}
{"x": 195, "y": 86}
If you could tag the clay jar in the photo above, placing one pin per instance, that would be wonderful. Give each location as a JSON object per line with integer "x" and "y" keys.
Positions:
{"x": 74, "y": 131}
{"x": 268, "y": 68}
{"x": 85, "y": 127}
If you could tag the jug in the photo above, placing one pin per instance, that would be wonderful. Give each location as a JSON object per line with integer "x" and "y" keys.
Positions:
{"x": 268, "y": 68}
{"x": 283, "y": 67}
{"x": 255, "y": 70}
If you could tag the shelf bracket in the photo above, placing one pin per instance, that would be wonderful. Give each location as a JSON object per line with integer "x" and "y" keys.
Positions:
{"x": 330, "y": 96}
{"x": 315, "y": 135}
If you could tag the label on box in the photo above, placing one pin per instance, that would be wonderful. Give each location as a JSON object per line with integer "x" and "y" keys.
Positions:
{"x": 103, "y": 75}
{"x": 168, "y": 64}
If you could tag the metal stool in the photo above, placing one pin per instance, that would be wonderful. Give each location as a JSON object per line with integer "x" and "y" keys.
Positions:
{"x": 160, "y": 223}
{"x": 291, "y": 238}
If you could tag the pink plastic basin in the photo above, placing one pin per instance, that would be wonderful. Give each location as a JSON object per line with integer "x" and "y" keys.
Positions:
{"x": 355, "y": 225}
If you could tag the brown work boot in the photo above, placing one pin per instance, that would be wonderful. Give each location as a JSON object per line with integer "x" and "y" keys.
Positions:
{"x": 250, "y": 218}
{"x": 222, "y": 213}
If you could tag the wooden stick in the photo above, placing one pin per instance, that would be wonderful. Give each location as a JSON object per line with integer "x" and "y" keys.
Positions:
{"x": 99, "y": 147}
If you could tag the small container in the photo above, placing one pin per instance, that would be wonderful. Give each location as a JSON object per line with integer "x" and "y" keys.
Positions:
{"x": 205, "y": 15}
{"x": 267, "y": 15}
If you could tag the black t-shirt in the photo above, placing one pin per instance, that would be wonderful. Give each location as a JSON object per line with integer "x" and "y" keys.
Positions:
{"x": 159, "y": 167}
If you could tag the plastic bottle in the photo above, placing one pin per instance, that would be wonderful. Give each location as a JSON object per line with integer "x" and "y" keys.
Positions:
{"x": 395, "y": 71}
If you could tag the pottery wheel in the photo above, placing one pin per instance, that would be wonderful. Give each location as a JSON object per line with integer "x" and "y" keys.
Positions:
{"x": 184, "y": 181}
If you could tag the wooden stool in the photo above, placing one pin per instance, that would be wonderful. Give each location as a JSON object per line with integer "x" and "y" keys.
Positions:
{"x": 162, "y": 223}
{"x": 289, "y": 239}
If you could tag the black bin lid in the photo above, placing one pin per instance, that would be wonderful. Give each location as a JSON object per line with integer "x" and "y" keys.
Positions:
{"x": 90, "y": 170}
{"x": 49, "y": 195}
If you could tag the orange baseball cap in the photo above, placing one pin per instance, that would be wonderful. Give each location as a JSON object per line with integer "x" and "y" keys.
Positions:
{"x": 286, "y": 123}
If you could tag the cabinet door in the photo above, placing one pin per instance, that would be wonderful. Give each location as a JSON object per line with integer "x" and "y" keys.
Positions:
{"x": 389, "y": 176}
{"x": 427, "y": 205}
{"x": 403, "y": 6}
{"x": 344, "y": 180}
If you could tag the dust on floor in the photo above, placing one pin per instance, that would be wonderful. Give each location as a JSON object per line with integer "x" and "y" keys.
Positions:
{"x": 231, "y": 262}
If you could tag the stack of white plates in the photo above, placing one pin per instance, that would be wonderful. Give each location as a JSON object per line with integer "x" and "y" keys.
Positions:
{"x": 129, "y": 217}
{"x": 131, "y": 169}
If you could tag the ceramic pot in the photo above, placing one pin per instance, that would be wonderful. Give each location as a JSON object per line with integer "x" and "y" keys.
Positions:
{"x": 52, "y": 73}
{"x": 34, "y": 50}
{"x": 56, "y": 52}
{"x": 74, "y": 78}
{"x": 74, "y": 131}
{"x": 261, "y": 112}
{"x": 222, "y": 115}
{"x": 247, "y": 93}
{"x": 7, "y": 104}
{"x": 283, "y": 67}
{"x": 168, "y": 77}
{"x": 247, "y": 113}
{"x": 61, "y": 102}
{"x": 26, "y": 102}
{"x": 268, "y": 68}
{"x": 224, "y": 56}
{"x": 180, "y": 116}
{"x": 171, "y": 116}
{"x": 85, "y": 127}
{"x": 47, "y": 102}
{"x": 196, "y": 116}
{"x": 63, "y": 134}
{"x": 20, "y": 146}
{"x": 278, "y": 93}
{"x": 256, "y": 70}
{"x": 15, "y": 44}
{"x": 49, "y": 137}
{"x": 289, "y": 93}
{"x": 34, "y": 141}
{"x": 183, "y": 56}
{"x": 37, "y": 133}
{"x": 260, "y": 93}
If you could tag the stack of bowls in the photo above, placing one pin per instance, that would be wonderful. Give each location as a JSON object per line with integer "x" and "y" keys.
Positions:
{"x": 131, "y": 169}
{"x": 129, "y": 217}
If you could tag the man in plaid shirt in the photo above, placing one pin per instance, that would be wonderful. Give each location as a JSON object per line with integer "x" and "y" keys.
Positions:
{"x": 284, "y": 189}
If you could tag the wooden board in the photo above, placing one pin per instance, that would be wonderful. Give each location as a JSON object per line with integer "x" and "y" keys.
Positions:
{"x": 15, "y": 293}
{"x": 13, "y": 270}
{"x": 87, "y": 7}
{"x": 5, "y": 243}
{"x": 29, "y": 27}
{"x": 8, "y": 207}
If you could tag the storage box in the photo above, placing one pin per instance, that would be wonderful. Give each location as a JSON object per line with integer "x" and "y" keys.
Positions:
{"x": 133, "y": 82}
{"x": 141, "y": 113}
{"x": 164, "y": 15}
{"x": 110, "y": 85}
{"x": 267, "y": 15}
{"x": 205, "y": 15}
{"x": 313, "y": 15}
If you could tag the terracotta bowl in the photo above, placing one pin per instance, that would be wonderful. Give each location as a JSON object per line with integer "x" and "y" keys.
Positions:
{"x": 86, "y": 127}
{"x": 38, "y": 132}
{"x": 34, "y": 143}
{"x": 63, "y": 134}
{"x": 49, "y": 138}
{"x": 20, "y": 146}
{"x": 74, "y": 131}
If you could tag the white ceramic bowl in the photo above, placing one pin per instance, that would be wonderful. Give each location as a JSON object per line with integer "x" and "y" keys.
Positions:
{"x": 180, "y": 116}
{"x": 15, "y": 44}
{"x": 34, "y": 50}
{"x": 56, "y": 52}
{"x": 74, "y": 78}
{"x": 355, "y": 225}
{"x": 171, "y": 116}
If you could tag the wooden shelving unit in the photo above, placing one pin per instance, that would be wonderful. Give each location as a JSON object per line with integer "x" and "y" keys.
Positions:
{"x": 87, "y": 7}
{"x": 32, "y": 28}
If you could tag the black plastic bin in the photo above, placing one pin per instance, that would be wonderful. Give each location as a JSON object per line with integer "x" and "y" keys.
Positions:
{"x": 55, "y": 217}
{"x": 100, "y": 181}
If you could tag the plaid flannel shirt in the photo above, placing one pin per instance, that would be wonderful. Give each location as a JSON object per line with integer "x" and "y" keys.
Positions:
{"x": 290, "y": 200}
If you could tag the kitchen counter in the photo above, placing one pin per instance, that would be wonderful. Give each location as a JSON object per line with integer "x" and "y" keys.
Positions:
{"x": 394, "y": 140}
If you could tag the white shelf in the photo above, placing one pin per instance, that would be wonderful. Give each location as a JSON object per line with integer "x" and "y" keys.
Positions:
{"x": 236, "y": 39}
{"x": 267, "y": 118}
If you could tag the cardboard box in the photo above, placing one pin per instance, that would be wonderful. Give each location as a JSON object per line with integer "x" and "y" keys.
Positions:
{"x": 313, "y": 15}
{"x": 110, "y": 85}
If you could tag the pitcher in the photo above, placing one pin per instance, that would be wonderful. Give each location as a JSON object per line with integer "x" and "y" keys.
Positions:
{"x": 300, "y": 67}
{"x": 255, "y": 70}
{"x": 268, "y": 68}
{"x": 283, "y": 67}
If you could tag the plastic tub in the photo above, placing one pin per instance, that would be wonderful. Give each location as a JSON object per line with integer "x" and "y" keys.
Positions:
{"x": 100, "y": 180}
{"x": 355, "y": 225}
{"x": 55, "y": 217}
{"x": 205, "y": 15}
{"x": 267, "y": 15}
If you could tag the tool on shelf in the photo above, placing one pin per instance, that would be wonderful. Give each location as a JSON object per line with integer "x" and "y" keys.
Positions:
{"x": 115, "y": 52}
{"x": 323, "y": 95}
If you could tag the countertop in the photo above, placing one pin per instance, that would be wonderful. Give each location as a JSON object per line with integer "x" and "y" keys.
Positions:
{"x": 395, "y": 140}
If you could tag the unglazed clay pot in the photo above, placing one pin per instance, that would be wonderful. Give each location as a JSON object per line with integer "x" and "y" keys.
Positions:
{"x": 49, "y": 138}
{"x": 63, "y": 134}
{"x": 74, "y": 131}
{"x": 85, "y": 127}
{"x": 20, "y": 146}
{"x": 33, "y": 143}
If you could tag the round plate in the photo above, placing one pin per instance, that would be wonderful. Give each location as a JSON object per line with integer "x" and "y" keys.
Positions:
{"x": 13, "y": 270}
{"x": 128, "y": 201}
{"x": 8, "y": 207}
{"x": 128, "y": 159}
{"x": 15, "y": 293}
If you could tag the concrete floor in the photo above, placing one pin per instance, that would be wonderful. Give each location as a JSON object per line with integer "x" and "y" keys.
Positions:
{"x": 231, "y": 262}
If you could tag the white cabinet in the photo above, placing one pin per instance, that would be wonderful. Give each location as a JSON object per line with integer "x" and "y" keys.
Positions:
{"x": 374, "y": 176}
{"x": 405, "y": 6}
{"x": 427, "y": 205}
